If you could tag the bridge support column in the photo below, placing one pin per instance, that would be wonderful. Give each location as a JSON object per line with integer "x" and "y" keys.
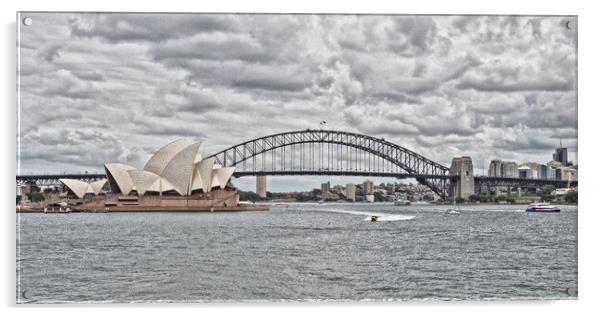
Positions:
{"x": 261, "y": 187}
{"x": 463, "y": 186}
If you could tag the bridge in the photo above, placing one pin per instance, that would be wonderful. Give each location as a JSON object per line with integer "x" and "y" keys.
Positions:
{"x": 336, "y": 153}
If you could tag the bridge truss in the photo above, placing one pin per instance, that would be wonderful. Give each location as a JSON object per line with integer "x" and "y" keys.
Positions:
{"x": 53, "y": 179}
{"x": 327, "y": 152}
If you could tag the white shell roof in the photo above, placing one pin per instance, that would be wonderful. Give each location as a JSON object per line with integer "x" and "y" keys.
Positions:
{"x": 119, "y": 173}
{"x": 80, "y": 188}
{"x": 176, "y": 166}
{"x": 142, "y": 179}
{"x": 157, "y": 162}
{"x": 178, "y": 170}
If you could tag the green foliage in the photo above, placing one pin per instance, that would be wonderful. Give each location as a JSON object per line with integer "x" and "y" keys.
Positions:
{"x": 306, "y": 198}
{"x": 571, "y": 197}
{"x": 36, "y": 197}
{"x": 379, "y": 197}
{"x": 460, "y": 200}
{"x": 474, "y": 198}
{"x": 248, "y": 196}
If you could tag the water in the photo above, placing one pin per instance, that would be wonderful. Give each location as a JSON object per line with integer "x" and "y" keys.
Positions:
{"x": 305, "y": 251}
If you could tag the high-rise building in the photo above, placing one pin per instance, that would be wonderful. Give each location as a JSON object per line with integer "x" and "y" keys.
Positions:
{"x": 509, "y": 169}
{"x": 368, "y": 187}
{"x": 561, "y": 156}
{"x": 350, "y": 191}
{"x": 495, "y": 168}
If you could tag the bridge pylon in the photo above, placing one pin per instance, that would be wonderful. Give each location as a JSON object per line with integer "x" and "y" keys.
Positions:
{"x": 463, "y": 186}
{"x": 261, "y": 187}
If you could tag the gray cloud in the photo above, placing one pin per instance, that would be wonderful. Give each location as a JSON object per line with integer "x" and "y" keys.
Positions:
{"x": 485, "y": 86}
{"x": 118, "y": 27}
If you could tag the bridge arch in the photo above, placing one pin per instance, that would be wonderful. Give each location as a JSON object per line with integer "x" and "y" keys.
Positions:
{"x": 245, "y": 155}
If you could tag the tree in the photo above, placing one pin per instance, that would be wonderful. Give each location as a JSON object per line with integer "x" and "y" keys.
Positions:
{"x": 474, "y": 198}
{"x": 571, "y": 197}
{"x": 36, "y": 197}
{"x": 378, "y": 197}
{"x": 248, "y": 196}
{"x": 460, "y": 200}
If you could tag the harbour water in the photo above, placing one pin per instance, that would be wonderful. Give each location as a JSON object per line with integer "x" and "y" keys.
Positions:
{"x": 299, "y": 252}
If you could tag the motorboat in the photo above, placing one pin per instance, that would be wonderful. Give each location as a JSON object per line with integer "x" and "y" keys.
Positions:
{"x": 542, "y": 208}
{"x": 374, "y": 218}
{"x": 452, "y": 211}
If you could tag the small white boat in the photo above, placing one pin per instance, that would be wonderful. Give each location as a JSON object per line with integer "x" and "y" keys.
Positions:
{"x": 452, "y": 211}
{"x": 542, "y": 208}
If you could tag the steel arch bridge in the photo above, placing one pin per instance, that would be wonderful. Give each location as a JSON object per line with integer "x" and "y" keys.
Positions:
{"x": 329, "y": 152}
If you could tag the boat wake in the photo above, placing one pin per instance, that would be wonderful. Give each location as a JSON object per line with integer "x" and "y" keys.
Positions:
{"x": 382, "y": 217}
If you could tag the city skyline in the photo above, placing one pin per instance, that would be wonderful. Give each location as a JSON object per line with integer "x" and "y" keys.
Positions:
{"x": 111, "y": 85}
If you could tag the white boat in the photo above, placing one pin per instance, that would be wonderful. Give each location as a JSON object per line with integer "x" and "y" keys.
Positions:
{"x": 452, "y": 211}
{"x": 542, "y": 208}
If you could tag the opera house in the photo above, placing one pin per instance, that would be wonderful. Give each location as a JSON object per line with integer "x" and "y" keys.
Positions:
{"x": 175, "y": 178}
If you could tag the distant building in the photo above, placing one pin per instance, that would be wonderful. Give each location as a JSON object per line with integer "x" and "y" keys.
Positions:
{"x": 546, "y": 172}
{"x": 495, "y": 168}
{"x": 568, "y": 174}
{"x": 509, "y": 169}
{"x": 370, "y": 198}
{"x": 561, "y": 156}
{"x": 524, "y": 172}
{"x": 325, "y": 187}
{"x": 368, "y": 188}
{"x": 350, "y": 191}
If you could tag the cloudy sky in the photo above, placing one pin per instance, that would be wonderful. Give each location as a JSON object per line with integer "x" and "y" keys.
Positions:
{"x": 97, "y": 88}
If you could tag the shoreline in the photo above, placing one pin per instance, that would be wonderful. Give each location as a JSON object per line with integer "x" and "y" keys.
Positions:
{"x": 151, "y": 209}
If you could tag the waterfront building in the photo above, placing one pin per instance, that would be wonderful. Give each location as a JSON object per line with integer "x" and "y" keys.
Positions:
{"x": 495, "y": 168}
{"x": 546, "y": 172}
{"x": 175, "y": 169}
{"x": 370, "y": 198}
{"x": 368, "y": 187}
{"x": 350, "y": 191}
{"x": 568, "y": 174}
{"x": 174, "y": 178}
{"x": 525, "y": 172}
{"x": 509, "y": 169}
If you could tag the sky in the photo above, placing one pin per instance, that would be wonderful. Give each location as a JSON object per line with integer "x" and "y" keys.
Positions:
{"x": 97, "y": 88}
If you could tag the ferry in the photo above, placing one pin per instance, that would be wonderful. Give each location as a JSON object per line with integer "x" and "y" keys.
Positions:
{"x": 542, "y": 207}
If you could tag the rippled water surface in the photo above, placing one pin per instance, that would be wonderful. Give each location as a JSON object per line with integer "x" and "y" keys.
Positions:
{"x": 305, "y": 251}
